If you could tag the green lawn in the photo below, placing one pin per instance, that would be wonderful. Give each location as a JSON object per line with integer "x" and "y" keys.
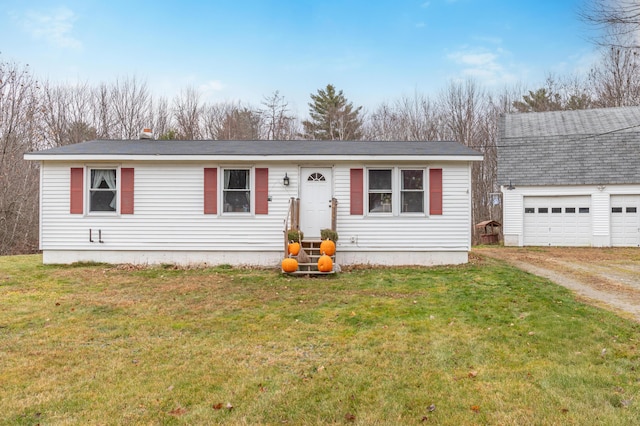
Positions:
{"x": 482, "y": 343}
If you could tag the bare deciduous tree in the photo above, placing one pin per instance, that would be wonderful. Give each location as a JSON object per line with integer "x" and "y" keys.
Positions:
{"x": 161, "y": 123}
{"x": 19, "y": 133}
{"x": 131, "y": 105}
{"x": 279, "y": 124}
{"x": 618, "y": 21}
{"x": 186, "y": 111}
{"x": 407, "y": 119}
{"x": 616, "y": 81}
{"x": 472, "y": 121}
{"x": 240, "y": 124}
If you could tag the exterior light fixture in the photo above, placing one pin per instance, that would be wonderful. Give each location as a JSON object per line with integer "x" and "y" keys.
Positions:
{"x": 285, "y": 180}
{"x": 510, "y": 187}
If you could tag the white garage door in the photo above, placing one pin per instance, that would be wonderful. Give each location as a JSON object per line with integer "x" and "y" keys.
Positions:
{"x": 557, "y": 221}
{"x": 625, "y": 220}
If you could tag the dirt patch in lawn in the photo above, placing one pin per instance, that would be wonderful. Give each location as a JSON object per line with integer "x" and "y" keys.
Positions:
{"x": 608, "y": 277}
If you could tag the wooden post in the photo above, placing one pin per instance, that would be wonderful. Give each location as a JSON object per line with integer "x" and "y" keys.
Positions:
{"x": 334, "y": 213}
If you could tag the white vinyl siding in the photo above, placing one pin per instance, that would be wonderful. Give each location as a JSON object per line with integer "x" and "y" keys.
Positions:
{"x": 169, "y": 215}
{"x": 406, "y": 233}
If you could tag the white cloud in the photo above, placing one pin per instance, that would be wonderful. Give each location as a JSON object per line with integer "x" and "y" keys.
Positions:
{"x": 580, "y": 63}
{"x": 54, "y": 26}
{"x": 484, "y": 65}
{"x": 211, "y": 89}
{"x": 212, "y": 86}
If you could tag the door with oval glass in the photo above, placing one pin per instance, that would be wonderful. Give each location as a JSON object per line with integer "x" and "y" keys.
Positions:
{"x": 315, "y": 200}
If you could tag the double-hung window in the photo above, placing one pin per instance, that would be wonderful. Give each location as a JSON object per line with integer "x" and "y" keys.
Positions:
{"x": 380, "y": 190}
{"x": 396, "y": 189}
{"x": 412, "y": 191}
{"x": 237, "y": 190}
{"x": 103, "y": 190}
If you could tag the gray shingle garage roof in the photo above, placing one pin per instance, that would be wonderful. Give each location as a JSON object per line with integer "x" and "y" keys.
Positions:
{"x": 597, "y": 146}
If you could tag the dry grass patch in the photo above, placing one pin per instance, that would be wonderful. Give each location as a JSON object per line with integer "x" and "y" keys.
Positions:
{"x": 477, "y": 344}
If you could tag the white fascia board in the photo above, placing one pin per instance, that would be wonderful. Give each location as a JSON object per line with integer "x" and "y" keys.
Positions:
{"x": 255, "y": 158}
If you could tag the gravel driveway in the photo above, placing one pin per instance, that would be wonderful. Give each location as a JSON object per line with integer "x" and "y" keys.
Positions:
{"x": 606, "y": 277}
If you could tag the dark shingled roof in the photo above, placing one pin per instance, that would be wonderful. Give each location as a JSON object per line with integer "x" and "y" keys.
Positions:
{"x": 584, "y": 147}
{"x": 260, "y": 148}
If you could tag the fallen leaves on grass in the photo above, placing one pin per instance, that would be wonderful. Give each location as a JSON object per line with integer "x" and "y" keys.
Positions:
{"x": 475, "y": 408}
{"x": 178, "y": 411}
{"x": 350, "y": 417}
{"x": 219, "y": 406}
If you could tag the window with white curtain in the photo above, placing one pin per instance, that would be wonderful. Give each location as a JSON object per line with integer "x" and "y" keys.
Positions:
{"x": 237, "y": 190}
{"x": 103, "y": 192}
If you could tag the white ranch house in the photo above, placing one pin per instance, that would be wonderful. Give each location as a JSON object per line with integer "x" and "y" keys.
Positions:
{"x": 215, "y": 202}
{"x": 571, "y": 178}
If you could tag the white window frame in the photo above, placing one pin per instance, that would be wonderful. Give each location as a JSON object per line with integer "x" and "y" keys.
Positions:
{"x": 251, "y": 189}
{"x": 396, "y": 191}
{"x": 89, "y": 190}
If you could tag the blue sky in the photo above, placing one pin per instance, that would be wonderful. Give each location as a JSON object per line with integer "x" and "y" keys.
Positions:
{"x": 230, "y": 50}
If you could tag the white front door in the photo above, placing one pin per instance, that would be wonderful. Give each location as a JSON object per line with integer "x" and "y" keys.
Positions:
{"x": 315, "y": 200}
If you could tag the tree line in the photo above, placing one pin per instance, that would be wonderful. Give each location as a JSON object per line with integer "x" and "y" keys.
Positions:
{"x": 36, "y": 114}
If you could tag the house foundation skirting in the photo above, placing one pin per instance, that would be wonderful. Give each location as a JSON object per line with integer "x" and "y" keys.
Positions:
{"x": 240, "y": 258}
{"x": 157, "y": 257}
{"x": 397, "y": 258}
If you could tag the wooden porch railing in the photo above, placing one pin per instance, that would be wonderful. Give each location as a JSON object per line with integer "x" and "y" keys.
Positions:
{"x": 292, "y": 221}
{"x": 334, "y": 213}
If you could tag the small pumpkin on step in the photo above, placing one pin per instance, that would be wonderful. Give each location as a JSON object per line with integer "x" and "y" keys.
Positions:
{"x": 293, "y": 248}
{"x": 325, "y": 264}
{"x": 289, "y": 265}
{"x": 328, "y": 247}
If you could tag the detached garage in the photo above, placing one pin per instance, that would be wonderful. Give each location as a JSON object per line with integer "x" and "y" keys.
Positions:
{"x": 571, "y": 178}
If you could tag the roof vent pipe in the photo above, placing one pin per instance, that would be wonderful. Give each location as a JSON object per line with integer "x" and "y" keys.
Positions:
{"x": 146, "y": 134}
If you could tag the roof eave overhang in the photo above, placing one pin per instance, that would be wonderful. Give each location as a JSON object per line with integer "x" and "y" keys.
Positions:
{"x": 249, "y": 158}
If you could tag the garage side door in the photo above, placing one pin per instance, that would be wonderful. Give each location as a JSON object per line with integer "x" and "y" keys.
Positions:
{"x": 625, "y": 220}
{"x": 557, "y": 221}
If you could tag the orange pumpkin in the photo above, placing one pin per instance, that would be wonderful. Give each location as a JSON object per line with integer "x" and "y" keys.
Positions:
{"x": 325, "y": 264}
{"x": 293, "y": 248}
{"x": 289, "y": 265}
{"x": 328, "y": 247}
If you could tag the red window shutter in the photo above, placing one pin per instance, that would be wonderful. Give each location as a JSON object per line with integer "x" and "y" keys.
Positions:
{"x": 262, "y": 191}
{"x": 435, "y": 191}
{"x": 126, "y": 190}
{"x": 357, "y": 192}
{"x": 76, "y": 202}
{"x": 211, "y": 190}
